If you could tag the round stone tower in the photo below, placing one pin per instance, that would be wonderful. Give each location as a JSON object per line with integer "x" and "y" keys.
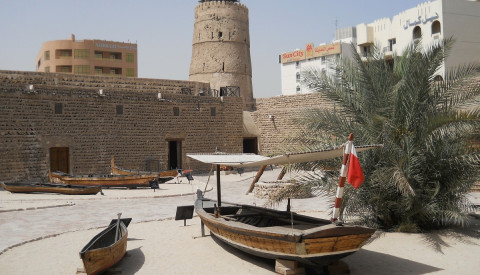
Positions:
{"x": 221, "y": 48}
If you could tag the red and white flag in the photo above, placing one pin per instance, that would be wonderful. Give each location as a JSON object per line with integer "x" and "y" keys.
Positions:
{"x": 355, "y": 174}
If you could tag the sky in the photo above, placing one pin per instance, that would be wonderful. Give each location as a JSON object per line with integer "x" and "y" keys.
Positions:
{"x": 163, "y": 30}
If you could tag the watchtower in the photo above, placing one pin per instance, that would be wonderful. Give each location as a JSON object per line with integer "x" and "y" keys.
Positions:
{"x": 221, "y": 47}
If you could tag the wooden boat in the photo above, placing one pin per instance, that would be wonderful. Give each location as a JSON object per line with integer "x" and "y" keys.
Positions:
{"x": 277, "y": 234}
{"x": 107, "y": 248}
{"x": 67, "y": 189}
{"x": 129, "y": 181}
{"x": 115, "y": 170}
{"x": 285, "y": 235}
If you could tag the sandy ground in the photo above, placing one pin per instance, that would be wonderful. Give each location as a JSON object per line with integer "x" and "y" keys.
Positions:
{"x": 166, "y": 246}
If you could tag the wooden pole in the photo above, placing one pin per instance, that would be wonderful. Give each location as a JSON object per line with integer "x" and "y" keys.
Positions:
{"x": 282, "y": 174}
{"x": 219, "y": 191}
{"x": 257, "y": 177}
{"x": 118, "y": 225}
{"x": 342, "y": 179}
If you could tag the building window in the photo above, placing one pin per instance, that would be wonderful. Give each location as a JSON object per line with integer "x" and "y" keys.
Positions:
{"x": 47, "y": 69}
{"x": 59, "y": 108}
{"x": 82, "y": 69}
{"x": 391, "y": 42}
{"x": 438, "y": 79}
{"x": 115, "y": 56}
{"x": 417, "y": 33}
{"x": 119, "y": 109}
{"x": 130, "y": 58}
{"x": 213, "y": 111}
{"x": 81, "y": 54}
{"x": 47, "y": 55}
{"x": 366, "y": 51}
{"x": 130, "y": 72}
{"x": 176, "y": 111}
{"x": 220, "y": 34}
{"x": 436, "y": 28}
{"x": 98, "y": 55}
{"x": 298, "y": 90}
{"x": 98, "y": 70}
{"x": 297, "y": 64}
{"x": 298, "y": 77}
{"x": 324, "y": 59}
{"x": 64, "y": 69}
{"x": 63, "y": 54}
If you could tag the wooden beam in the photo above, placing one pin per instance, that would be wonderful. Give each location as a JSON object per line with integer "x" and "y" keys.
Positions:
{"x": 280, "y": 176}
{"x": 257, "y": 177}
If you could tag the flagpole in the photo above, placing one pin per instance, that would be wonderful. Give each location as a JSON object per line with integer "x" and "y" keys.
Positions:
{"x": 342, "y": 179}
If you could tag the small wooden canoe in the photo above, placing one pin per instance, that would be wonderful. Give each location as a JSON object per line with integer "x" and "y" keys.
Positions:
{"x": 104, "y": 251}
{"x": 129, "y": 181}
{"x": 66, "y": 189}
{"x": 285, "y": 235}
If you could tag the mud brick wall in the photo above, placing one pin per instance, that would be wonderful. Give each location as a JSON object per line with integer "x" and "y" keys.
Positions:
{"x": 285, "y": 110}
{"x": 93, "y": 130}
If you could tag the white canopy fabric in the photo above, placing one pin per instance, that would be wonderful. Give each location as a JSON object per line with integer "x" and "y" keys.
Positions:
{"x": 249, "y": 160}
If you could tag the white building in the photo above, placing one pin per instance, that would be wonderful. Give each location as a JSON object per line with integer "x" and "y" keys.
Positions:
{"x": 430, "y": 21}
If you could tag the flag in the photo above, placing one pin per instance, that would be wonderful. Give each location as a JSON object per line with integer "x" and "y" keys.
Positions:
{"x": 355, "y": 174}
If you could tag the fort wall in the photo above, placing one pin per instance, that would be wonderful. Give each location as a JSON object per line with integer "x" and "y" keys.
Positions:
{"x": 126, "y": 120}
{"x": 277, "y": 119}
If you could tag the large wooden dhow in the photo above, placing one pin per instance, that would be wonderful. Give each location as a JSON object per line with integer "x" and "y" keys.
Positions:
{"x": 37, "y": 187}
{"x": 278, "y": 234}
{"x": 116, "y": 170}
{"x": 107, "y": 248}
{"x": 281, "y": 234}
{"x": 129, "y": 181}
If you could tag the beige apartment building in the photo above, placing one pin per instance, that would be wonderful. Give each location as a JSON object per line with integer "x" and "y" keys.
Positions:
{"x": 89, "y": 57}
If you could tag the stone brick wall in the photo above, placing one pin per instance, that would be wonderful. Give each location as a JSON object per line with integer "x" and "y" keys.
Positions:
{"x": 93, "y": 130}
{"x": 275, "y": 118}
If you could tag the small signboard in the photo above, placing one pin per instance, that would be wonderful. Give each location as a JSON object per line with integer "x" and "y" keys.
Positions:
{"x": 184, "y": 213}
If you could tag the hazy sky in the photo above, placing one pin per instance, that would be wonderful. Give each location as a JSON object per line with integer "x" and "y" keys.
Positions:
{"x": 163, "y": 30}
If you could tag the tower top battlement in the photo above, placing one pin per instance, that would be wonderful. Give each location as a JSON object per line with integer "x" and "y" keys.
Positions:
{"x": 203, "y": 1}
{"x": 207, "y": 3}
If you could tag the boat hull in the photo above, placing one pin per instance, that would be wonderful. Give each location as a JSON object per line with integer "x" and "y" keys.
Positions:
{"x": 50, "y": 188}
{"x": 129, "y": 181}
{"x": 312, "y": 242}
{"x": 115, "y": 170}
{"x": 102, "y": 252}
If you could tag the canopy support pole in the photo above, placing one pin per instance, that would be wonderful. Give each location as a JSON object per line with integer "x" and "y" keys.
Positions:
{"x": 219, "y": 191}
{"x": 257, "y": 177}
{"x": 282, "y": 173}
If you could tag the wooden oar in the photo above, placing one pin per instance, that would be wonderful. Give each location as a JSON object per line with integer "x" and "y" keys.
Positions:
{"x": 118, "y": 225}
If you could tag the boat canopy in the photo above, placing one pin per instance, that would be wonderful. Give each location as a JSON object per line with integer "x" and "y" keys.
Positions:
{"x": 250, "y": 160}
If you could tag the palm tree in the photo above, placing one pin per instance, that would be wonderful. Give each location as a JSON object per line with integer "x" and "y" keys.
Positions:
{"x": 420, "y": 178}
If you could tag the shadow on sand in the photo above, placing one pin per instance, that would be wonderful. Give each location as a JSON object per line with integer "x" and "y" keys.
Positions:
{"x": 361, "y": 262}
{"x": 130, "y": 264}
{"x": 371, "y": 262}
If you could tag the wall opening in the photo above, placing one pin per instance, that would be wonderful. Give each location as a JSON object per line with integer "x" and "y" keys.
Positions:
{"x": 417, "y": 32}
{"x": 436, "y": 28}
{"x": 250, "y": 145}
{"x": 59, "y": 159}
{"x": 174, "y": 154}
